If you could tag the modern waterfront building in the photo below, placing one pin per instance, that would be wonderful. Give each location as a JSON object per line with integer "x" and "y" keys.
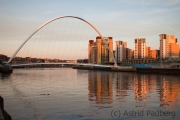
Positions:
{"x": 153, "y": 54}
{"x": 179, "y": 52}
{"x": 103, "y": 54}
{"x": 148, "y": 52}
{"x": 90, "y": 51}
{"x": 169, "y": 47}
{"x": 98, "y": 52}
{"x": 120, "y": 50}
{"x": 94, "y": 54}
{"x": 129, "y": 54}
{"x": 140, "y": 48}
{"x": 173, "y": 50}
{"x": 114, "y": 53}
{"x": 157, "y": 54}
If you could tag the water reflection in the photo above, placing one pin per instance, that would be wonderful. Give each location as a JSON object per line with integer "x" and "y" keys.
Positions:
{"x": 169, "y": 90}
{"x": 5, "y": 75}
{"x": 70, "y": 94}
{"x": 100, "y": 87}
{"x": 145, "y": 88}
{"x": 141, "y": 87}
{"x": 121, "y": 86}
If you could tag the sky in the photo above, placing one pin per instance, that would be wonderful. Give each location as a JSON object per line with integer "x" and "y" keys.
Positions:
{"x": 121, "y": 19}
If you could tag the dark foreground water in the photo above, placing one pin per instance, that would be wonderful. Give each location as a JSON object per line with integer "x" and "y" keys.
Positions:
{"x": 65, "y": 93}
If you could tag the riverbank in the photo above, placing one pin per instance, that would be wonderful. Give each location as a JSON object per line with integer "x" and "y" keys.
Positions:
{"x": 167, "y": 71}
{"x": 106, "y": 68}
{"x": 139, "y": 69}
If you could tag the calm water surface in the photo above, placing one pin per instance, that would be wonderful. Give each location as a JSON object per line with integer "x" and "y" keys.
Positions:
{"x": 65, "y": 93}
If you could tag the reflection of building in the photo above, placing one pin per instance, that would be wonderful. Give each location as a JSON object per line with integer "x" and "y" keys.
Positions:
{"x": 169, "y": 90}
{"x": 140, "y": 48}
{"x": 100, "y": 87}
{"x": 152, "y": 83}
{"x": 169, "y": 47}
{"x": 145, "y": 88}
{"x": 122, "y": 86}
{"x": 141, "y": 87}
{"x": 98, "y": 52}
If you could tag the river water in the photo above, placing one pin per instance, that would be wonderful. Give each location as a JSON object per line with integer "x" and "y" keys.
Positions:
{"x": 66, "y": 93}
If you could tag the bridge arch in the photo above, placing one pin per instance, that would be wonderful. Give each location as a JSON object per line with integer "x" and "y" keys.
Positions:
{"x": 52, "y": 21}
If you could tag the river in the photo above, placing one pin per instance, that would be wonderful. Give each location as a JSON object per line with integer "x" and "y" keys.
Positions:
{"x": 66, "y": 93}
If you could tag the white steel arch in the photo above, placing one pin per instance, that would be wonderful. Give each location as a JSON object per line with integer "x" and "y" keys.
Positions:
{"x": 52, "y": 21}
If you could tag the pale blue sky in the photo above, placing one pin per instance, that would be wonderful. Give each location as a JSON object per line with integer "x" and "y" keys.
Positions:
{"x": 121, "y": 19}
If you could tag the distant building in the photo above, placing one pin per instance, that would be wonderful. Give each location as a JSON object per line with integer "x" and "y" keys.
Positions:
{"x": 140, "y": 48}
{"x": 4, "y": 57}
{"x": 98, "y": 52}
{"x": 82, "y": 61}
{"x": 132, "y": 54}
{"x": 153, "y": 54}
{"x": 169, "y": 47}
{"x": 148, "y": 52}
{"x": 157, "y": 54}
{"x": 173, "y": 50}
{"x": 94, "y": 54}
{"x": 114, "y": 53}
{"x": 179, "y": 52}
{"x": 90, "y": 55}
{"x": 129, "y": 54}
{"x": 120, "y": 50}
{"x": 103, "y": 54}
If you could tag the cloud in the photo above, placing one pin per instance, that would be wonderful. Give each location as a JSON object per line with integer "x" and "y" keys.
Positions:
{"x": 173, "y": 2}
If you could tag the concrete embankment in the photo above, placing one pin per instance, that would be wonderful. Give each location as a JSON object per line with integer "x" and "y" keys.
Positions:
{"x": 124, "y": 69}
{"x": 167, "y": 71}
{"x": 3, "y": 114}
{"x": 106, "y": 68}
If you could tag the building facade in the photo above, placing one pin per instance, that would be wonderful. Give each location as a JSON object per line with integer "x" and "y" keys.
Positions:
{"x": 129, "y": 54}
{"x": 169, "y": 47}
{"x": 90, "y": 55}
{"x": 153, "y": 54}
{"x": 148, "y": 52}
{"x": 120, "y": 50}
{"x": 140, "y": 48}
{"x": 173, "y": 50}
{"x": 98, "y": 52}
